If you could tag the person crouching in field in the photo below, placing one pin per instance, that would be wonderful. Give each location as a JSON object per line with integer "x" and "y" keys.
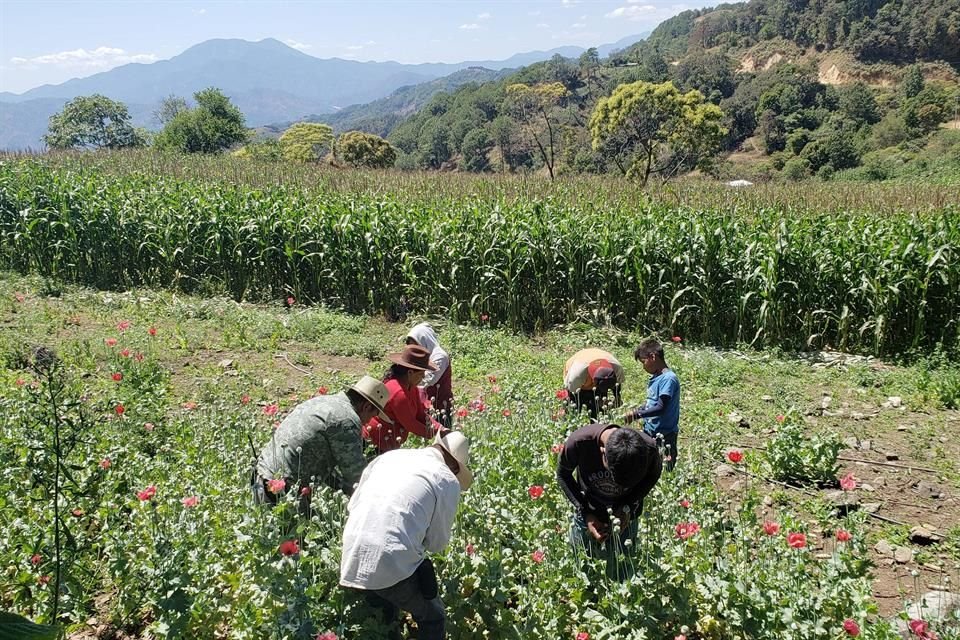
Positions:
{"x": 437, "y": 385}
{"x": 592, "y": 378}
{"x": 606, "y": 471}
{"x": 405, "y": 409}
{"x": 403, "y": 508}
{"x": 661, "y": 412}
{"x": 319, "y": 441}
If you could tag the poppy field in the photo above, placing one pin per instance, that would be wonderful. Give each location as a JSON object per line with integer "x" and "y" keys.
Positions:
{"x": 130, "y": 420}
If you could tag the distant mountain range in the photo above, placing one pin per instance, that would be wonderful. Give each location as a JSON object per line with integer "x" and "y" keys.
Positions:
{"x": 268, "y": 80}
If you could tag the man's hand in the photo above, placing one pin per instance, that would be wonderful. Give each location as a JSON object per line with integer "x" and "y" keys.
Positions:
{"x": 597, "y": 529}
{"x": 628, "y": 417}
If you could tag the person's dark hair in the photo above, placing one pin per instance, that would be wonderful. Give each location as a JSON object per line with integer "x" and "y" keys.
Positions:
{"x": 396, "y": 372}
{"x": 356, "y": 398}
{"x": 647, "y": 348}
{"x": 629, "y": 458}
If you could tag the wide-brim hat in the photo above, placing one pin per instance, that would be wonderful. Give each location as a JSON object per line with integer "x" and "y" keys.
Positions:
{"x": 413, "y": 356}
{"x": 457, "y": 445}
{"x": 376, "y": 392}
{"x": 601, "y": 370}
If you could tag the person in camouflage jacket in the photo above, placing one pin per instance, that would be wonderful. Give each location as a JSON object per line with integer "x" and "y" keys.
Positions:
{"x": 319, "y": 442}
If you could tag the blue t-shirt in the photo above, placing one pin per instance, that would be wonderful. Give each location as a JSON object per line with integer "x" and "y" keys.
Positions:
{"x": 664, "y": 384}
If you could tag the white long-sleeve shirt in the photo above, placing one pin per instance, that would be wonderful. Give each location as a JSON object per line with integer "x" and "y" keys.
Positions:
{"x": 404, "y": 507}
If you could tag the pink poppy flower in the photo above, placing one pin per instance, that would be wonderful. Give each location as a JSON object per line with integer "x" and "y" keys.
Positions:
{"x": 797, "y": 540}
{"x": 147, "y": 494}
{"x": 276, "y": 485}
{"x": 190, "y": 501}
{"x": 110, "y": 342}
{"x": 105, "y": 463}
{"x": 677, "y": 339}
{"x": 851, "y": 627}
{"x": 538, "y": 556}
{"x": 321, "y": 391}
{"x": 843, "y": 535}
{"x": 469, "y": 549}
{"x": 271, "y": 409}
{"x": 123, "y": 325}
{"x": 848, "y": 482}
{"x": 119, "y": 409}
{"x": 35, "y": 559}
{"x": 556, "y": 448}
{"x": 562, "y": 394}
{"x": 686, "y": 530}
{"x": 771, "y": 528}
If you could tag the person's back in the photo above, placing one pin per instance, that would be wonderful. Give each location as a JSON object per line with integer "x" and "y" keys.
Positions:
{"x": 403, "y": 507}
{"x": 309, "y": 441}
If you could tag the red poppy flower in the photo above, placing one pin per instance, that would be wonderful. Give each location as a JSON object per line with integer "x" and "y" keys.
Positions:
{"x": 35, "y": 559}
{"x": 326, "y": 635}
{"x": 321, "y": 391}
{"x": 125, "y": 353}
{"x": 797, "y": 540}
{"x": 492, "y": 379}
{"x": 686, "y": 530}
{"x": 506, "y": 413}
{"x": 771, "y": 528}
{"x": 781, "y": 417}
{"x": 557, "y": 448}
{"x": 105, "y": 463}
{"x": 562, "y": 394}
{"x": 147, "y": 494}
{"x": 535, "y": 491}
{"x": 152, "y": 331}
{"x": 469, "y": 549}
{"x": 851, "y": 627}
{"x": 289, "y": 547}
{"x": 190, "y": 501}
{"x": 537, "y": 556}
{"x": 291, "y": 301}
{"x": 583, "y": 635}
{"x": 244, "y": 399}
{"x": 843, "y": 535}
{"x": 20, "y": 382}
{"x": 43, "y": 580}
{"x": 735, "y": 456}
{"x": 484, "y": 317}
{"x": 117, "y": 377}
{"x": 462, "y": 412}
{"x": 138, "y": 357}
{"x": 189, "y": 406}
{"x": 271, "y": 409}
{"x": 123, "y": 325}
{"x": 276, "y": 485}
{"x": 110, "y": 342}
{"x": 918, "y": 627}
{"x": 685, "y": 503}
{"x": 848, "y": 482}
{"x": 677, "y": 339}
{"x": 119, "y": 409}
{"x": 306, "y": 491}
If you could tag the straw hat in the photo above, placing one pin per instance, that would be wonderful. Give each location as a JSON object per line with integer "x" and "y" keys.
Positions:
{"x": 458, "y": 446}
{"x": 413, "y": 357}
{"x": 376, "y": 392}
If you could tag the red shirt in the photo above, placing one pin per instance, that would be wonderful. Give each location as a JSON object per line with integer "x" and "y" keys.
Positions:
{"x": 409, "y": 415}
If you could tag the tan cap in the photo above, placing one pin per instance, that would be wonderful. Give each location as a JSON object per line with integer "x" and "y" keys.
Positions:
{"x": 457, "y": 445}
{"x": 374, "y": 391}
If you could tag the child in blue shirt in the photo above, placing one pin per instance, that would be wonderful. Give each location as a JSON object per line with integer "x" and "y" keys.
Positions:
{"x": 661, "y": 412}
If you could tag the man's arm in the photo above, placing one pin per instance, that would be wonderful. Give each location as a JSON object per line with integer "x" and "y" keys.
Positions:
{"x": 569, "y": 484}
{"x": 441, "y": 524}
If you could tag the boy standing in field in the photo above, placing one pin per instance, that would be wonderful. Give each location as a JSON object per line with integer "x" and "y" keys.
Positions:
{"x": 661, "y": 412}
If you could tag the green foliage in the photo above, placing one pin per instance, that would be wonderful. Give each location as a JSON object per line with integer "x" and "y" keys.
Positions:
{"x": 797, "y": 457}
{"x": 214, "y": 125}
{"x": 796, "y": 169}
{"x": 649, "y": 129}
{"x": 475, "y": 149}
{"x": 14, "y": 627}
{"x": 267, "y": 150}
{"x": 359, "y": 149}
{"x": 306, "y": 142}
{"x": 858, "y": 103}
{"x": 93, "y": 122}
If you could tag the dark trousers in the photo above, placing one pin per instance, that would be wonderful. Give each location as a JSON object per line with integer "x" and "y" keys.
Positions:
{"x": 417, "y": 594}
{"x": 595, "y": 401}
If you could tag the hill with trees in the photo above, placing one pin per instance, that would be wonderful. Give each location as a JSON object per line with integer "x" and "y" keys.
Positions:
{"x": 804, "y": 88}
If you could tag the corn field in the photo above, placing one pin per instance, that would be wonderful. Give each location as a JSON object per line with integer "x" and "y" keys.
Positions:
{"x": 802, "y": 269}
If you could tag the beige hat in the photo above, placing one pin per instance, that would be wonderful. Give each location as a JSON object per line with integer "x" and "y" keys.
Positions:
{"x": 458, "y": 446}
{"x": 374, "y": 391}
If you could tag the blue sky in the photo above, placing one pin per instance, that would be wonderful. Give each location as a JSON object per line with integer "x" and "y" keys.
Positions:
{"x": 45, "y": 42}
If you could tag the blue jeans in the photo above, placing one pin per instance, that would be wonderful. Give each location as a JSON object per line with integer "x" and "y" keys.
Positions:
{"x": 614, "y": 550}
{"x": 407, "y": 595}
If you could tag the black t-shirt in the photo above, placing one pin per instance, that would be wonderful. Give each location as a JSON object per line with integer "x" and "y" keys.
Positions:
{"x": 593, "y": 489}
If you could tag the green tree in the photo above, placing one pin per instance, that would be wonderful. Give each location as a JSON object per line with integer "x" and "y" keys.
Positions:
{"x": 92, "y": 122}
{"x": 306, "y": 141}
{"x": 475, "y": 147}
{"x": 858, "y": 103}
{"x": 359, "y": 149}
{"x": 214, "y": 125}
{"x": 536, "y": 110}
{"x": 647, "y": 128}
{"x": 169, "y": 108}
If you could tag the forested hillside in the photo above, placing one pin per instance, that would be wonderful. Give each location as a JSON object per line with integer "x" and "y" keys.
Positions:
{"x": 868, "y": 88}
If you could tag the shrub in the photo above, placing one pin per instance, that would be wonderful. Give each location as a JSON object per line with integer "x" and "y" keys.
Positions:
{"x": 796, "y": 457}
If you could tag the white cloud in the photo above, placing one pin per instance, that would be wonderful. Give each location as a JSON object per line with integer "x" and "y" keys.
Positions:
{"x": 483, "y": 16}
{"x": 99, "y": 58}
{"x": 632, "y": 12}
{"x": 199, "y": 12}
{"x": 355, "y": 47}
{"x": 569, "y": 4}
{"x": 542, "y": 25}
{"x": 577, "y": 25}
{"x": 470, "y": 26}
{"x": 290, "y": 42}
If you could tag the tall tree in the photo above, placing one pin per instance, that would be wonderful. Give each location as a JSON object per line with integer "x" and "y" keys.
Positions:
{"x": 647, "y": 128}
{"x": 169, "y": 108}
{"x": 536, "y": 110}
{"x": 214, "y": 125}
{"x": 306, "y": 141}
{"x": 92, "y": 122}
